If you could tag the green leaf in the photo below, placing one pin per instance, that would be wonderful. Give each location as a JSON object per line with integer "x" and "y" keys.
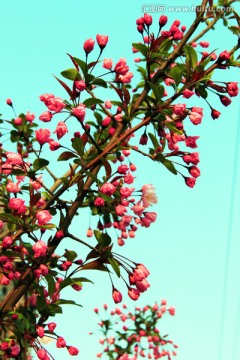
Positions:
{"x": 102, "y": 238}
{"x": 39, "y": 164}
{"x": 143, "y": 49}
{"x": 92, "y": 101}
{"x": 82, "y": 65}
{"x": 202, "y": 91}
{"x": 70, "y": 302}
{"x": 158, "y": 90}
{"x": 70, "y": 255}
{"x": 154, "y": 140}
{"x": 167, "y": 163}
{"x": 41, "y": 304}
{"x": 71, "y": 281}
{"x": 191, "y": 56}
{"x": 100, "y": 82}
{"x": 171, "y": 126}
{"x": 66, "y": 155}
{"x": 176, "y": 74}
{"x": 78, "y": 145}
{"x": 142, "y": 71}
{"x": 115, "y": 266}
{"x": 70, "y": 74}
{"x": 51, "y": 283}
{"x": 8, "y": 218}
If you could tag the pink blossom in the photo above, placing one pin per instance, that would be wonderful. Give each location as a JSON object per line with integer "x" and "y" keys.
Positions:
{"x": 187, "y": 93}
{"x": 147, "y": 19}
{"x": 51, "y": 326}
{"x": 195, "y": 118}
{"x": 88, "y": 45}
{"x": 37, "y": 184}
{"x": 122, "y": 169}
{"x": 108, "y": 104}
{"x": 30, "y": 117}
{"x": 107, "y": 64}
{"x": 102, "y": 40}
{"x": 117, "y": 296}
{"x": 61, "y": 343}
{"x": 225, "y": 100}
{"x": 43, "y": 217}
{"x": 1, "y": 224}
{"x": 194, "y": 171}
{"x": 53, "y": 145}
{"x": 42, "y": 135}
{"x": 42, "y": 354}
{"x": 61, "y": 129}
{"x": 40, "y": 331}
{"x": 151, "y": 215}
{"x": 73, "y": 350}
{"x": 133, "y": 293}
{"x": 121, "y": 67}
{"x": 215, "y": 114}
{"x": 179, "y": 109}
{"x": 17, "y": 204}
{"x": 106, "y": 121}
{"x": 40, "y": 249}
{"x": 138, "y": 208}
{"x": 13, "y": 187}
{"x": 190, "y": 181}
{"x": 79, "y": 111}
{"x": 163, "y": 20}
{"x": 191, "y": 158}
{"x": 126, "y": 79}
{"x": 120, "y": 210}
{"x": 7, "y": 241}
{"x": 99, "y": 201}
{"x": 224, "y": 56}
{"x": 18, "y": 121}
{"x": 55, "y": 104}
{"x": 204, "y": 44}
{"x": 232, "y": 88}
{"x": 128, "y": 178}
{"x": 4, "y": 280}
{"x": 46, "y": 97}
{"x": 190, "y": 141}
{"x": 15, "y": 351}
{"x": 148, "y": 195}
{"x": 46, "y": 116}
{"x": 126, "y": 192}
{"x": 13, "y": 158}
{"x": 80, "y": 85}
{"x": 108, "y": 189}
{"x": 142, "y": 285}
{"x": 9, "y": 102}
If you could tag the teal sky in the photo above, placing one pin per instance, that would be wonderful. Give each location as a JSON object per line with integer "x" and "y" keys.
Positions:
{"x": 186, "y": 248}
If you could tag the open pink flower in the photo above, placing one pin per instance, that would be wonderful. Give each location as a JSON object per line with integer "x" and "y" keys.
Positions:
{"x": 148, "y": 195}
{"x": 43, "y": 217}
{"x": 42, "y": 136}
{"x": 40, "y": 249}
{"x": 61, "y": 129}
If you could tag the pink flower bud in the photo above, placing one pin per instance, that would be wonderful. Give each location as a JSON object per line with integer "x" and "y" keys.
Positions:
{"x": 61, "y": 129}
{"x": 117, "y": 296}
{"x": 42, "y": 136}
{"x": 215, "y": 114}
{"x": 225, "y": 100}
{"x": 190, "y": 181}
{"x": 46, "y": 116}
{"x": 107, "y": 64}
{"x": 224, "y": 56}
{"x": 133, "y": 294}
{"x": 147, "y": 19}
{"x": 9, "y": 102}
{"x": 43, "y": 217}
{"x": 79, "y": 111}
{"x": 73, "y": 350}
{"x": 88, "y": 46}
{"x": 163, "y": 20}
{"x": 102, "y": 41}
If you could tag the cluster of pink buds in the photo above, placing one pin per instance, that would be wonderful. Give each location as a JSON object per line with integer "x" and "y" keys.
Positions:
{"x": 137, "y": 328}
{"x": 10, "y": 349}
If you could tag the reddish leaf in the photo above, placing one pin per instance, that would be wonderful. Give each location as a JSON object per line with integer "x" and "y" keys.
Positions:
{"x": 68, "y": 90}
{"x": 74, "y": 62}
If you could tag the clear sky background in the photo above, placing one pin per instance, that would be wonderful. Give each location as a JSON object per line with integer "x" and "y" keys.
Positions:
{"x": 197, "y": 233}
